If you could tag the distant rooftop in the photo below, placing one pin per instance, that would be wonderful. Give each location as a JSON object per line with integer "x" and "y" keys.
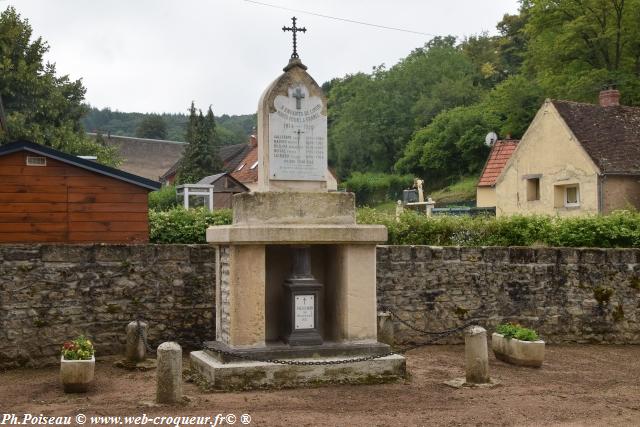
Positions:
{"x": 149, "y": 158}
{"x": 498, "y": 157}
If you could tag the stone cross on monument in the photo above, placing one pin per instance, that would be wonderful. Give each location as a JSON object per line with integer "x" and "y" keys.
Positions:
{"x": 294, "y": 30}
{"x": 299, "y": 96}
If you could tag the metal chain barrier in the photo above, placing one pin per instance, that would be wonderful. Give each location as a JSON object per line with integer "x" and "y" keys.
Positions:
{"x": 233, "y": 354}
{"x": 143, "y": 337}
{"x": 437, "y": 336}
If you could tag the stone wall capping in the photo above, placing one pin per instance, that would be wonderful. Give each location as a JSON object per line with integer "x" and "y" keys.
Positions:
{"x": 546, "y": 255}
{"x": 451, "y": 253}
{"x": 296, "y": 234}
{"x": 522, "y": 255}
{"x": 495, "y": 254}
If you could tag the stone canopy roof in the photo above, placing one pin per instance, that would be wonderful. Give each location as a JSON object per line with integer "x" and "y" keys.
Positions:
{"x": 609, "y": 135}
{"x": 500, "y": 154}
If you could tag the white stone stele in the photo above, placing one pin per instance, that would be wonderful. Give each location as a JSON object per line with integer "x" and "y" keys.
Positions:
{"x": 169, "y": 374}
{"x": 292, "y": 133}
{"x": 77, "y": 375}
{"x": 251, "y": 375}
{"x": 298, "y": 136}
{"x": 517, "y": 352}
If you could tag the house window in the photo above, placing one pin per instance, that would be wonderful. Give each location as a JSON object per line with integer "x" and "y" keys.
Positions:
{"x": 571, "y": 196}
{"x": 533, "y": 189}
{"x": 253, "y": 166}
{"x": 36, "y": 161}
{"x": 240, "y": 167}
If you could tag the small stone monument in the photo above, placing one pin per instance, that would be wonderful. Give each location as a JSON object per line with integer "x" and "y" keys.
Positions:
{"x": 169, "y": 374}
{"x": 476, "y": 357}
{"x": 135, "y": 350}
{"x": 135, "y": 353}
{"x": 296, "y": 275}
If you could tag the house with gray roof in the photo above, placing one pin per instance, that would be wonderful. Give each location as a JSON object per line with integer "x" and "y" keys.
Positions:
{"x": 574, "y": 159}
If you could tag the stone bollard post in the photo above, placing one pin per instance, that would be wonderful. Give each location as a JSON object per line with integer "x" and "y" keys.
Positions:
{"x": 135, "y": 350}
{"x": 476, "y": 355}
{"x": 385, "y": 328}
{"x": 169, "y": 380}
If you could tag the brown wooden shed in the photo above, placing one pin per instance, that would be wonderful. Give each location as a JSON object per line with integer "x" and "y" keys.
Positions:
{"x": 49, "y": 196}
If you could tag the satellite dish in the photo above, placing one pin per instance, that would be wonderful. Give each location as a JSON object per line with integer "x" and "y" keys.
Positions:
{"x": 490, "y": 139}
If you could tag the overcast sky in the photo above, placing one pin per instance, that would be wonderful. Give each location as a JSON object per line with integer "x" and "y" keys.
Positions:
{"x": 159, "y": 55}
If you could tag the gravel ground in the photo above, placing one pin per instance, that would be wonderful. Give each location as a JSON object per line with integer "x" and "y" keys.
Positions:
{"x": 578, "y": 385}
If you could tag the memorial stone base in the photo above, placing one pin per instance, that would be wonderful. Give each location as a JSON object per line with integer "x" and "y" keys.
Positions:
{"x": 256, "y": 257}
{"x": 245, "y": 375}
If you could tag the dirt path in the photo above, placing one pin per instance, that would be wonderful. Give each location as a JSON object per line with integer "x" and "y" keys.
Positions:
{"x": 578, "y": 385}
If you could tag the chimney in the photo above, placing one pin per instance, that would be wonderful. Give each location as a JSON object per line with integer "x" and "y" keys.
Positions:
{"x": 610, "y": 98}
{"x": 253, "y": 141}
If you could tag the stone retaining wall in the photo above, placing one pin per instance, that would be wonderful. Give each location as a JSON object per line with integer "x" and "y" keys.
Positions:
{"x": 51, "y": 293}
{"x": 569, "y": 295}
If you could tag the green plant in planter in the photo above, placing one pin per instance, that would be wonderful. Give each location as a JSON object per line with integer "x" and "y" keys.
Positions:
{"x": 513, "y": 330}
{"x": 79, "y": 349}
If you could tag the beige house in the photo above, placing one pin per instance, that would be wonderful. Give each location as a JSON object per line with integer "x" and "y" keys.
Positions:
{"x": 574, "y": 159}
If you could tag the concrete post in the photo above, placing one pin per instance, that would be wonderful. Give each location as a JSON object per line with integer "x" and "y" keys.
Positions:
{"x": 476, "y": 355}
{"x": 169, "y": 380}
{"x": 385, "y": 327}
{"x": 430, "y": 204}
{"x": 135, "y": 350}
{"x": 399, "y": 210}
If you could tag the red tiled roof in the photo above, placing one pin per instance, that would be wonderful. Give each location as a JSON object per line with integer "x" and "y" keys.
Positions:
{"x": 500, "y": 154}
{"x": 246, "y": 173}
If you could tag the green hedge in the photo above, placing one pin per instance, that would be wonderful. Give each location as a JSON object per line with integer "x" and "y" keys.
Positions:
{"x": 179, "y": 225}
{"x": 620, "y": 229}
{"x": 375, "y": 188}
{"x": 163, "y": 199}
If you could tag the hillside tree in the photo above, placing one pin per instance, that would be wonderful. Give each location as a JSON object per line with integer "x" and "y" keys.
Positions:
{"x": 201, "y": 157}
{"x": 152, "y": 126}
{"x": 41, "y": 106}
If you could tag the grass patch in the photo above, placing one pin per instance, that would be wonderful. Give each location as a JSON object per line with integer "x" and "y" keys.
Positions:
{"x": 461, "y": 191}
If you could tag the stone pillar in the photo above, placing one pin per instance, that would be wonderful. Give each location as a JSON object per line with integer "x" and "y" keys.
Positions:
{"x": 354, "y": 280}
{"x": 430, "y": 204}
{"x": 385, "y": 328}
{"x": 169, "y": 379}
{"x": 476, "y": 355}
{"x": 247, "y": 283}
{"x": 135, "y": 350}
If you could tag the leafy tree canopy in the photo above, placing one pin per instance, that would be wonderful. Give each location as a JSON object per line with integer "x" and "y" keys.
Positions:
{"x": 152, "y": 126}
{"x": 231, "y": 129}
{"x": 41, "y": 106}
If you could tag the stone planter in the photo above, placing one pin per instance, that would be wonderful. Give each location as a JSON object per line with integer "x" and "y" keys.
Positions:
{"x": 77, "y": 375}
{"x": 524, "y": 353}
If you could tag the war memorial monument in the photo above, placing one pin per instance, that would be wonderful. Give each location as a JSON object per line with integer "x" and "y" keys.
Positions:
{"x": 296, "y": 276}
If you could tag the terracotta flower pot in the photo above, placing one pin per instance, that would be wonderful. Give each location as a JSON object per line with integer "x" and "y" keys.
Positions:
{"x": 516, "y": 352}
{"x": 77, "y": 375}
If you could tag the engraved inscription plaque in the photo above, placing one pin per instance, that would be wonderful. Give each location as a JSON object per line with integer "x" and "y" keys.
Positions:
{"x": 298, "y": 137}
{"x": 304, "y": 315}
